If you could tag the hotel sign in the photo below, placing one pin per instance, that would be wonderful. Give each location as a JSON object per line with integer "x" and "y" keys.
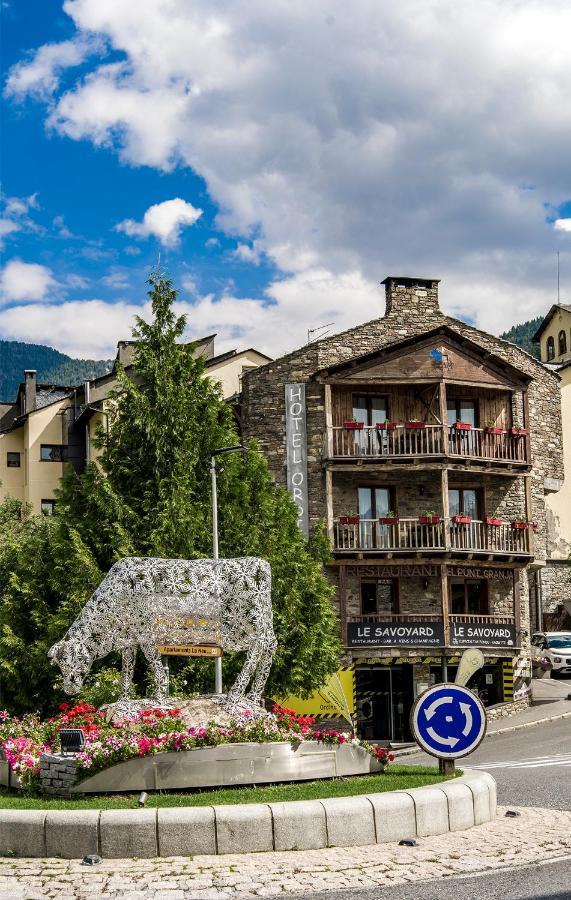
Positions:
{"x": 395, "y": 634}
{"x": 296, "y": 451}
{"x": 463, "y": 634}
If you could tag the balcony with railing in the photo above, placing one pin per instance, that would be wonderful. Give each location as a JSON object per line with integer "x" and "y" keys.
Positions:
{"x": 415, "y": 440}
{"x": 455, "y": 630}
{"x": 431, "y": 534}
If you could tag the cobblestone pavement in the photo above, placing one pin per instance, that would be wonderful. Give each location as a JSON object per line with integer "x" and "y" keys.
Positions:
{"x": 536, "y": 835}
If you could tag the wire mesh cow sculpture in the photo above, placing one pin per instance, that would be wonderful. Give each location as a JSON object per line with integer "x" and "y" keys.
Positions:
{"x": 147, "y": 603}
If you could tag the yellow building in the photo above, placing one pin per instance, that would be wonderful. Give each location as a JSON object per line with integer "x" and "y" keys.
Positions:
{"x": 49, "y": 425}
{"x": 554, "y": 338}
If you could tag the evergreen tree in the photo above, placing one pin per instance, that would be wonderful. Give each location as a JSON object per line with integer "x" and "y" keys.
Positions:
{"x": 151, "y": 497}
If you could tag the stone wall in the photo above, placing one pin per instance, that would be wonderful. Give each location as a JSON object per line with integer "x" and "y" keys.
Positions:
{"x": 58, "y": 774}
{"x": 556, "y": 585}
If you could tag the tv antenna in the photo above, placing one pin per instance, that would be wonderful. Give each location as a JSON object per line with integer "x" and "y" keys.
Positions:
{"x": 558, "y": 297}
{"x": 315, "y": 334}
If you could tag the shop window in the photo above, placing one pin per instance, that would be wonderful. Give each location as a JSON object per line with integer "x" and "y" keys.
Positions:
{"x": 13, "y": 460}
{"x": 51, "y": 453}
{"x": 468, "y": 597}
{"x": 462, "y": 411}
{"x": 370, "y": 409}
{"x": 464, "y": 502}
{"x": 550, "y": 349}
{"x": 47, "y": 507}
{"x": 562, "y": 343}
{"x": 379, "y": 597}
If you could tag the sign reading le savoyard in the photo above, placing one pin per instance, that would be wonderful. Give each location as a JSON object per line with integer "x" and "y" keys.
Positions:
{"x": 395, "y": 634}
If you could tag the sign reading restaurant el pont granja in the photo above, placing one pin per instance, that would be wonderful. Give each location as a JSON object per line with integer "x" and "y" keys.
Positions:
{"x": 296, "y": 451}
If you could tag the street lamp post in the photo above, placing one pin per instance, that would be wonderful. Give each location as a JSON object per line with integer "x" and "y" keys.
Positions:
{"x": 219, "y": 452}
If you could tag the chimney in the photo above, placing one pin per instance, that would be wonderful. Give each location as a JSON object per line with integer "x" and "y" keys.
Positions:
{"x": 125, "y": 353}
{"x": 411, "y": 299}
{"x": 29, "y": 390}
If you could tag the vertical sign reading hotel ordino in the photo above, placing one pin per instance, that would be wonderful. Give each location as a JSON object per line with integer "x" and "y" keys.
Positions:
{"x": 296, "y": 447}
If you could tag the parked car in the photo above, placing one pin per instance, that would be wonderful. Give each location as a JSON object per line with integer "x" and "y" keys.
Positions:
{"x": 556, "y": 647}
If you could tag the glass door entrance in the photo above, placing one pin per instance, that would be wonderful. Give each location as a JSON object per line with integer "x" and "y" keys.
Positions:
{"x": 384, "y": 700}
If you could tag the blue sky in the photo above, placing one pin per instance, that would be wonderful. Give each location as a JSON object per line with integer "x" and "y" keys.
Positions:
{"x": 282, "y": 160}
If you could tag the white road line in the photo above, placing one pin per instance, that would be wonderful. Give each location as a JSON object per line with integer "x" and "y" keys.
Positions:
{"x": 534, "y": 762}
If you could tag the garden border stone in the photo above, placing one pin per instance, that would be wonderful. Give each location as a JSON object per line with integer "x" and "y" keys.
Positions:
{"x": 298, "y": 824}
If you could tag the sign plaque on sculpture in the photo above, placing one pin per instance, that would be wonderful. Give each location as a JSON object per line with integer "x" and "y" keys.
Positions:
{"x": 188, "y": 650}
{"x": 296, "y": 451}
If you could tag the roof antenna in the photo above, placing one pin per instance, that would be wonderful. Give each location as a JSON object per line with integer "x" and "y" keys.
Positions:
{"x": 313, "y": 335}
{"x": 558, "y": 278}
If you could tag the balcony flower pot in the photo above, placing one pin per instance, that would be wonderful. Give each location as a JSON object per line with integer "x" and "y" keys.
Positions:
{"x": 491, "y": 429}
{"x": 349, "y": 520}
{"x": 462, "y": 520}
{"x": 414, "y": 425}
{"x": 429, "y": 520}
{"x": 490, "y": 520}
{"x": 519, "y": 526}
{"x": 462, "y": 426}
{"x": 518, "y": 432}
{"x": 389, "y": 520}
{"x": 386, "y": 426}
{"x": 353, "y": 426}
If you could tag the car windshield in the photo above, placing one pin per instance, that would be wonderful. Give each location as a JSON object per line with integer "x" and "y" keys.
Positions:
{"x": 560, "y": 643}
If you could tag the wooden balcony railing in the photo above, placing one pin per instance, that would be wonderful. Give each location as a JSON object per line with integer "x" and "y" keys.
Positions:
{"x": 370, "y": 535}
{"x": 477, "y": 619}
{"x": 370, "y": 442}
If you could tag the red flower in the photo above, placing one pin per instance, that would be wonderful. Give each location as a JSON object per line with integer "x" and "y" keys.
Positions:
{"x": 64, "y": 706}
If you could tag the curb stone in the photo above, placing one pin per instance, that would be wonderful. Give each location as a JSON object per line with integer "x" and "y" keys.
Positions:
{"x": 344, "y": 822}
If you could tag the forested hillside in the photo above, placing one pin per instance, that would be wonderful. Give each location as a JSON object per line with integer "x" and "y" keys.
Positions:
{"x": 51, "y": 365}
{"x": 522, "y": 335}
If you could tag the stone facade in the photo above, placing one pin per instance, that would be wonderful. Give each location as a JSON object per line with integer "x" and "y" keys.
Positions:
{"x": 58, "y": 774}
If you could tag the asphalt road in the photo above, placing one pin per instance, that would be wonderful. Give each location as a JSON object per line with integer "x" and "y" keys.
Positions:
{"x": 545, "y": 881}
{"x": 532, "y": 766}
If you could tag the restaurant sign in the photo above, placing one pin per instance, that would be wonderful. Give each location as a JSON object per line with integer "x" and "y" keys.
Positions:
{"x": 465, "y": 634}
{"x": 296, "y": 451}
{"x": 395, "y": 634}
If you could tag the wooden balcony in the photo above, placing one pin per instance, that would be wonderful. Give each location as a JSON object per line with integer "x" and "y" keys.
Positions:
{"x": 412, "y": 536}
{"x": 477, "y": 445}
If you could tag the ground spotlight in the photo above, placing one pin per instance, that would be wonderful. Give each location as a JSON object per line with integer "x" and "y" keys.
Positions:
{"x": 142, "y": 798}
{"x": 91, "y": 860}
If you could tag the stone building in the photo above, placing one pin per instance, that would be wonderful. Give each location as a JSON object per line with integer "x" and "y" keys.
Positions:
{"x": 48, "y": 426}
{"x": 553, "y": 598}
{"x": 424, "y": 445}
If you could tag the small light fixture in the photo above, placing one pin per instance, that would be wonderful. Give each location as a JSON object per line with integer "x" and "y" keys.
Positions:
{"x": 425, "y": 584}
{"x": 91, "y": 860}
{"x": 71, "y": 740}
{"x": 408, "y": 842}
{"x": 142, "y": 798}
{"x": 512, "y": 814}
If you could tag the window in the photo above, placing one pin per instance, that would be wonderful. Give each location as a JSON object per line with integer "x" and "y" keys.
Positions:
{"x": 51, "y": 453}
{"x": 468, "y": 597}
{"x": 550, "y": 349}
{"x": 47, "y": 507}
{"x": 562, "y": 343}
{"x": 463, "y": 502}
{"x": 13, "y": 460}
{"x": 374, "y": 502}
{"x": 379, "y": 597}
{"x": 370, "y": 409}
{"x": 462, "y": 411}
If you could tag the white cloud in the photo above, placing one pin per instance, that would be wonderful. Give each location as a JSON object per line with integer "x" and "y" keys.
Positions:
{"x": 248, "y": 253}
{"x": 7, "y": 226}
{"x": 562, "y": 224}
{"x": 163, "y": 220}
{"x": 15, "y": 207}
{"x": 116, "y": 279}
{"x": 352, "y": 140}
{"x": 39, "y": 75}
{"x": 25, "y": 281}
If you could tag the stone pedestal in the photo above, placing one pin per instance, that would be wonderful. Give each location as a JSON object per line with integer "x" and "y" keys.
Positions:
{"x": 58, "y": 773}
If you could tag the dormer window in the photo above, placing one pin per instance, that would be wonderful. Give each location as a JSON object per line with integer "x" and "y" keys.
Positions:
{"x": 562, "y": 343}
{"x": 550, "y": 349}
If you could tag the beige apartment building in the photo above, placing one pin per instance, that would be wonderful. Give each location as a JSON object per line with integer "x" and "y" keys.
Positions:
{"x": 48, "y": 426}
{"x": 554, "y": 338}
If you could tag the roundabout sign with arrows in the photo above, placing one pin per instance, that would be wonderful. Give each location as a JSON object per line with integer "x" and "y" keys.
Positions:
{"x": 448, "y": 721}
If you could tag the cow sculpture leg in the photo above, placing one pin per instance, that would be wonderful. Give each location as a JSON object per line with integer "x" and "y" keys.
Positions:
{"x": 262, "y": 671}
{"x": 237, "y": 693}
{"x": 127, "y": 672}
{"x": 160, "y": 673}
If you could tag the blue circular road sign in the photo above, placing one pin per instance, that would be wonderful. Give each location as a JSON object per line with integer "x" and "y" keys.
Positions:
{"x": 448, "y": 721}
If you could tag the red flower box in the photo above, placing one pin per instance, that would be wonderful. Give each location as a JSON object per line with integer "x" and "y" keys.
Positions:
{"x": 490, "y": 520}
{"x": 386, "y": 426}
{"x": 462, "y": 520}
{"x": 430, "y": 520}
{"x": 415, "y": 426}
{"x": 491, "y": 429}
{"x": 349, "y": 520}
{"x": 353, "y": 426}
{"x": 462, "y": 426}
{"x": 518, "y": 432}
{"x": 519, "y": 526}
{"x": 389, "y": 520}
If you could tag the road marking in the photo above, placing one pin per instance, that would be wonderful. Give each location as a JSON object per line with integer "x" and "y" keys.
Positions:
{"x": 532, "y": 762}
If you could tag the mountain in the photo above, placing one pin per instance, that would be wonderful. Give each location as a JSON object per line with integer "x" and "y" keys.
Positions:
{"x": 522, "y": 335}
{"x": 52, "y": 367}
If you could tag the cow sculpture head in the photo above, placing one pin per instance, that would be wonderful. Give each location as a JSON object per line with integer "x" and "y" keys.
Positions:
{"x": 74, "y": 661}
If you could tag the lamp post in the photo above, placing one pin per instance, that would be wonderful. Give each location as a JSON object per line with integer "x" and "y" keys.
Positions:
{"x": 219, "y": 452}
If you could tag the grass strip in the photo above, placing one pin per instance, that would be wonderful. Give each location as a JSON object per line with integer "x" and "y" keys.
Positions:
{"x": 397, "y": 778}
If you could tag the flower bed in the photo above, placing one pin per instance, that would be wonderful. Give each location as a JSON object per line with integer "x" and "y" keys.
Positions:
{"x": 151, "y": 731}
